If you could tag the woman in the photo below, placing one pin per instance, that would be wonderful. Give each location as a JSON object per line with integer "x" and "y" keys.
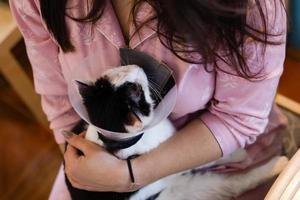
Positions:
{"x": 227, "y": 57}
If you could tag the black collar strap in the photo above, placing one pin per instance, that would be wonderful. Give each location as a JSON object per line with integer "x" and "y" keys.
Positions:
{"x": 112, "y": 145}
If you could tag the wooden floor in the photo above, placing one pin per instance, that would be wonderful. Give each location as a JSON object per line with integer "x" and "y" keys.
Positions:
{"x": 290, "y": 81}
{"x": 29, "y": 157}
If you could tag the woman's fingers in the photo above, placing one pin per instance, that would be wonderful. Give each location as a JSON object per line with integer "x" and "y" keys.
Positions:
{"x": 78, "y": 142}
{"x": 82, "y": 134}
{"x": 92, "y": 171}
{"x": 77, "y": 185}
{"x": 71, "y": 158}
{"x": 71, "y": 153}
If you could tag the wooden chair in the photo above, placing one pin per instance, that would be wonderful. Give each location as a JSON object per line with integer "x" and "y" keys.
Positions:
{"x": 288, "y": 103}
{"x": 10, "y": 68}
{"x": 287, "y": 185}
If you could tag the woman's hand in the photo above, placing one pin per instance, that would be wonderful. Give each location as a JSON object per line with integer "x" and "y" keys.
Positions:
{"x": 96, "y": 169}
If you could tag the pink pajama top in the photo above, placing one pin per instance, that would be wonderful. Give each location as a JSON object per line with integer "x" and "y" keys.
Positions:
{"x": 235, "y": 110}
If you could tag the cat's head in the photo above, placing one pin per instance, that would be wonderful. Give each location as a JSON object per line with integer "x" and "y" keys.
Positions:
{"x": 119, "y": 100}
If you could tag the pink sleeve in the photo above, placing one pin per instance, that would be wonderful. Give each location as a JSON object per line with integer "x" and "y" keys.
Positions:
{"x": 43, "y": 55}
{"x": 240, "y": 109}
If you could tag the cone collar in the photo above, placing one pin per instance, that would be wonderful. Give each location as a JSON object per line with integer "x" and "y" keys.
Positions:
{"x": 161, "y": 76}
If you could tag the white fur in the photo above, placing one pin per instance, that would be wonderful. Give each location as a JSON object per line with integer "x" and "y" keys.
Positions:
{"x": 213, "y": 186}
{"x": 151, "y": 139}
{"x": 207, "y": 186}
{"x": 92, "y": 135}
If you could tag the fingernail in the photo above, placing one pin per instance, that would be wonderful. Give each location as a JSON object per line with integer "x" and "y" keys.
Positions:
{"x": 67, "y": 134}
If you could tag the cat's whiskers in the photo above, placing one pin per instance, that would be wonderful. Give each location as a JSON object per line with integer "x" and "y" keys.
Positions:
{"x": 155, "y": 92}
{"x": 154, "y": 83}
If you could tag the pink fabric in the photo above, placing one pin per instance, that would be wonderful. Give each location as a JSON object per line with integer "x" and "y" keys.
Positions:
{"x": 239, "y": 109}
{"x": 60, "y": 190}
{"x": 236, "y": 111}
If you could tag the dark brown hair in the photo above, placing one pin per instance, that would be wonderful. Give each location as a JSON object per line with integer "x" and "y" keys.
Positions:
{"x": 193, "y": 27}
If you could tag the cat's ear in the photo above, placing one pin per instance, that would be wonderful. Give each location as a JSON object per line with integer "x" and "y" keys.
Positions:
{"x": 133, "y": 123}
{"x": 83, "y": 88}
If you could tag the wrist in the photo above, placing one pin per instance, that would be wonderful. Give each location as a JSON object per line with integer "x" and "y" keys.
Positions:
{"x": 137, "y": 180}
{"x": 140, "y": 169}
{"x": 126, "y": 184}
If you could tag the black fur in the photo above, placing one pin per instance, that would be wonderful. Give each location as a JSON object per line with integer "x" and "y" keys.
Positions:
{"x": 108, "y": 107}
{"x": 78, "y": 194}
{"x": 153, "y": 197}
{"x": 79, "y": 127}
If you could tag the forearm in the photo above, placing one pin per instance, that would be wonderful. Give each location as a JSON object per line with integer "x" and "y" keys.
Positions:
{"x": 190, "y": 147}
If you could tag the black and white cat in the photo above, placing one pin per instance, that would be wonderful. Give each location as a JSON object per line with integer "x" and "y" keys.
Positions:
{"x": 119, "y": 101}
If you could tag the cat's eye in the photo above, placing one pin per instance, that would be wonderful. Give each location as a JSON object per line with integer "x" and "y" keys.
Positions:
{"x": 134, "y": 87}
{"x": 131, "y": 85}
